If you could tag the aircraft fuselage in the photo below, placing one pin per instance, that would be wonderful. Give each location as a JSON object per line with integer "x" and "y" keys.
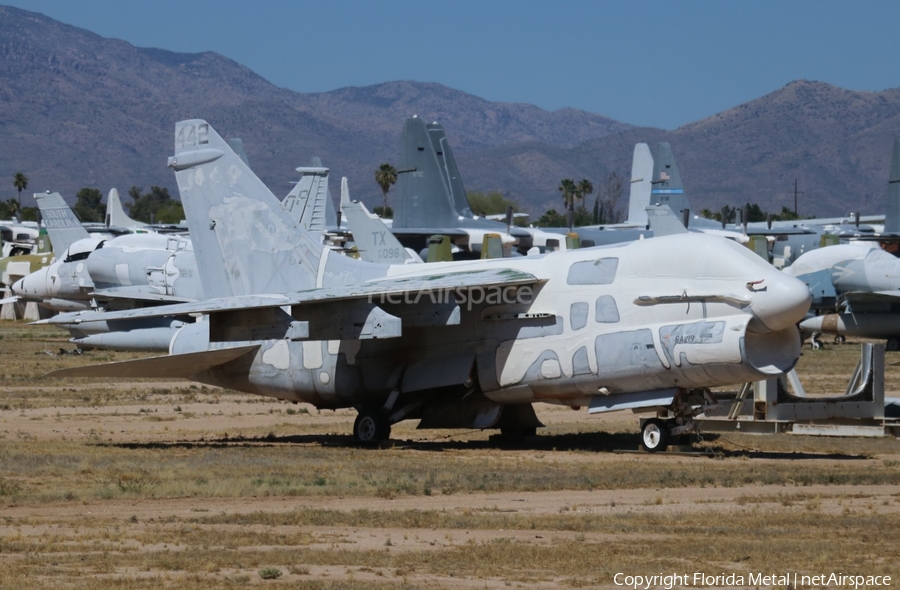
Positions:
{"x": 682, "y": 311}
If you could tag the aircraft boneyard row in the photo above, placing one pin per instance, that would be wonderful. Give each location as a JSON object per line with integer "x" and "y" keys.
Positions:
{"x": 134, "y": 270}
{"x": 651, "y": 323}
{"x": 430, "y": 195}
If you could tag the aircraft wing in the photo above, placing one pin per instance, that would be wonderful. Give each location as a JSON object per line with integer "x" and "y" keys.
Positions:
{"x": 178, "y": 365}
{"x": 408, "y": 286}
{"x": 873, "y": 301}
{"x": 139, "y": 294}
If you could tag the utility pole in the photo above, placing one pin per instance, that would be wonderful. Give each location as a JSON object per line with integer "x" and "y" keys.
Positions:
{"x": 796, "y": 192}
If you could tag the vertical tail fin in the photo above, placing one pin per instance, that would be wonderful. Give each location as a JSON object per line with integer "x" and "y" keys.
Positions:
{"x": 663, "y": 221}
{"x": 373, "y": 239}
{"x": 430, "y": 192}
{"x": 243, "y": 244}
{"x": 641, "y": 177}
{"x": 309, "y": 200}
{"x": 62, "y": 225}
{"x": 667, "y": 186}
{"x": 115, "y": 213}
{"x": 237, "y": 146}
{"x": 892, "y": 214}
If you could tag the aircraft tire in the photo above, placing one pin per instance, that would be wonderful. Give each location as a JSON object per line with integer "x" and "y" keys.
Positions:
{"x": 840, "y": 339}
{"x": 892, "y": 344}
{"x": 654, "y": 435}
{"x": 371, "y": 426}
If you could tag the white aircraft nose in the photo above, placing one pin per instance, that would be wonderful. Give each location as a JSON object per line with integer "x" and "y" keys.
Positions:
{"x": 18, "y": 288}
{"x": 780, "y": 301}
{"x": 31, "y": 286}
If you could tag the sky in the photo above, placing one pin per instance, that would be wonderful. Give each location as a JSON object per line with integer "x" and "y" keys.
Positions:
{"x": 648, "y": 63}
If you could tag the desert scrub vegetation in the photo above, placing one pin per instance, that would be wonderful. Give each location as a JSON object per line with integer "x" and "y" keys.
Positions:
{"x": 92, "y": 469}
{"x": 545, "y": 549}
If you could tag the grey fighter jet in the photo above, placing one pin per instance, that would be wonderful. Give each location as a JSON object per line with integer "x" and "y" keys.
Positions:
{"x": 648, "y": 324}
{"x": 856, "y": 286}
{"x": 856, "y": 289}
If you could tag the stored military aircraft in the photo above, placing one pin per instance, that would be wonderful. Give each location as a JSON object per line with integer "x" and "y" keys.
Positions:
{"x": 431, "y": 200}
{"x": 856, "y": 287}
{"x": 374, "y": 241}
{"x": 114, "y": 273}
{"x": 137, "y": 269}
{"x": 649, "y": 324}
{"x": 18, "y": 237}
{"x": 12, "y": 268}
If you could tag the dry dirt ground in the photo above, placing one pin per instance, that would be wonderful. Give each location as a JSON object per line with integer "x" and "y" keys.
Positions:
{"x": 163, "y": 483}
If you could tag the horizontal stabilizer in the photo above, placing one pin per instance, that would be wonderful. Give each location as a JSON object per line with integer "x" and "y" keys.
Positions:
{"x": 177, "y": 365}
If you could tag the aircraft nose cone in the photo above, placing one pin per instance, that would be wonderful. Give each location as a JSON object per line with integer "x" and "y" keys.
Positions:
{"x": 780, "y": 301}
{"x": 31, "y": 286}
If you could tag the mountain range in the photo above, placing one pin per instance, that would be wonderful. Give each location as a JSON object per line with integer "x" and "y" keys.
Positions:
{"x": 78, "y": 110}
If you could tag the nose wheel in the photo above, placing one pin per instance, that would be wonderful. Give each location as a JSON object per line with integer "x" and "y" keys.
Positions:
{"x": 655, "y": 435}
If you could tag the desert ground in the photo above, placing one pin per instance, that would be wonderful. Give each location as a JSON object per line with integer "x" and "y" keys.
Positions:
{"x": 165, "y": 483}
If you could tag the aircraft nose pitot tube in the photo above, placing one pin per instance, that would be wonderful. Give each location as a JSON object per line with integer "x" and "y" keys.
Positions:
{"x": 779, "y": 301}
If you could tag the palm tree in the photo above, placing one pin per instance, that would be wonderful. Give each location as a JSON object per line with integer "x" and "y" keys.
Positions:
{"x": 385, "y": 176}
{"x": 21, "y": 183}
{"x": 585, "y": 187}
{"x": 569, "y": 193}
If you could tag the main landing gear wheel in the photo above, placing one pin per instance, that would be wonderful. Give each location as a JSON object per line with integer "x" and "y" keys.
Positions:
{"x": 655, "y": 435}
{"x": 371, "y": 426}
{"x": 892, "y": 344}
{"x": 840, "y": 339}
